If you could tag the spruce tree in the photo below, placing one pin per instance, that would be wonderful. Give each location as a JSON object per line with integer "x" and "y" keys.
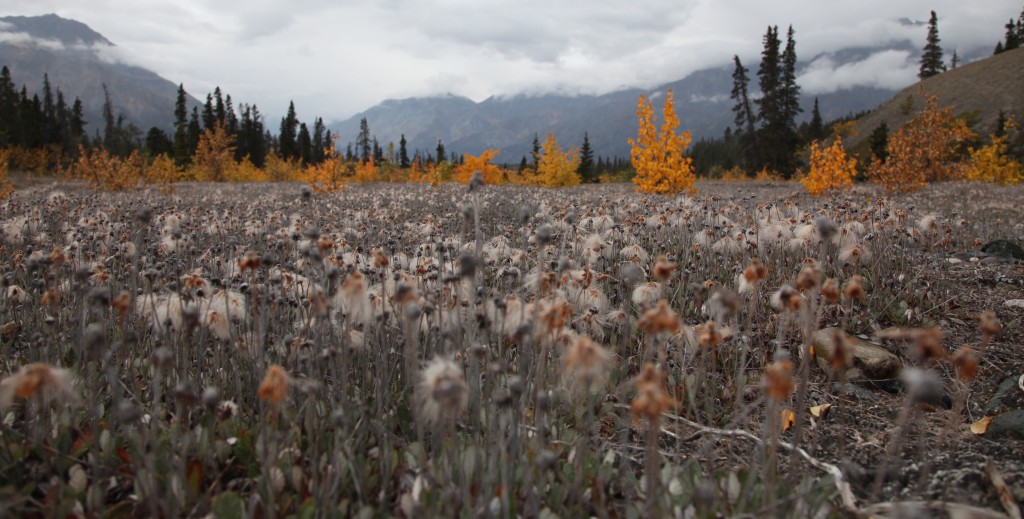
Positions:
{"x": 441, "y": 157}
{"x": 209, "y": 118}
{"x": 363, "y": 141}
{"x": 304, "y": 144}
{"x": 287, "y": 145}
{"x": 321, "y": 139}
{"x": 878, "y": 142}
{"x": 182, "y": 153}
{"x": 816, "y": 129}
{"x": 931, "y": 58}
{"x": 745, "y": 117}
{"x": 586, "y": 166}
{"x": 403, "y": 153}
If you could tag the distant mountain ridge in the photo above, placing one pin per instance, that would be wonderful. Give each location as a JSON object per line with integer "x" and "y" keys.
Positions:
{"x": 509, "y": 123}
{"x": 79, "y": 61}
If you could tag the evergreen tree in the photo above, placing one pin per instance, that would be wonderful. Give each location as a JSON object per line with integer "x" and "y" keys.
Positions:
{"x": 219, "y": 111}
{"x": 789, "y": 94}
{"x": 955, "y": 60}
{"x": 209, "y": 118}
{"x": 536, "y": 151}
{"x": 109, "y": 131}
{"x": 363, "y": 141}
{"x": 744, "y": 115}
{"x": 8, "y": 109}
{"x": 157, "y": 142}
{"x": 194, "y": 131}
{"x": 182, "y": 151}
{"x": 304, "y": 144}
{"x": 403, "y": 153}
{"x": 232, "y": 119}
{"x": 586, "y": 166}
{"x": 999, "y": 48}
{"x": 931, "y": 59}
{"x": 878, "y": 141}
{"x": 440, "y": 152}
{"x": 816, "y": 128}
{"x": 321, "y": 139}
{"x": 378, "y": 153}
{"x": 287, "y": 137}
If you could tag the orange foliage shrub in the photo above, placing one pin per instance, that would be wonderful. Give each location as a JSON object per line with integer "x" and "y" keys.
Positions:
{"x": 658, "y": 156}
{"x": 215, "y": 155}
{"x": 162, "y": 172}
{"x": 367, "y": 172}
{"x": 923, "y": 150}
{"x": 5, "y": 186}
{"x": 831, "y": 168}
{"x": 482, "y": 163}
{"x": 277, "y": 169}
{"x": 101, "y": 170}
{"x": 991, "y": 164}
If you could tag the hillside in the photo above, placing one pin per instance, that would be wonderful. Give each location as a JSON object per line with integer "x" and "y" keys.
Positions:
{"x": 976, "y": 91}
{"x": 79, "y": 61}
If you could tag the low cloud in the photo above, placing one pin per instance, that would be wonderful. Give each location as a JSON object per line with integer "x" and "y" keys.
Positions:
{"x": 22, "y": 39}
{"x": 889, "y": 69}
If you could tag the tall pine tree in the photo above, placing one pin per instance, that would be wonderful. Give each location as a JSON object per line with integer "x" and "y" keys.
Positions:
{"x": 287, "y": 145}
{"x": 744, "y": 114}
{"x": 931, "y": 58}
{"x": 585, "y": 169}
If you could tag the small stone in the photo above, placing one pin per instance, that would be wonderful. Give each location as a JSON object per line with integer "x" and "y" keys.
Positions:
{"x": 954, "y": 261}
{"x": 1007, "y": 425}
{"x": 1014, "y": 303}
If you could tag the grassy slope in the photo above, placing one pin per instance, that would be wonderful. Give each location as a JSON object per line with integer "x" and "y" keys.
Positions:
{"x": 977, "y": 91}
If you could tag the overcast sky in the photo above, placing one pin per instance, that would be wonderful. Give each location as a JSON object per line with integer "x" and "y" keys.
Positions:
{"x": 338, "y": 57}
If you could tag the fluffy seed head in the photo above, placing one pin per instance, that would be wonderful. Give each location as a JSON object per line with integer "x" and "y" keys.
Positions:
{"x": 442, "y": 390}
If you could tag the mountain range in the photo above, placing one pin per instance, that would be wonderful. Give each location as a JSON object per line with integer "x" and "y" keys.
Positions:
{"x": 79, "y": 61}
{"x": 703, "y": 104}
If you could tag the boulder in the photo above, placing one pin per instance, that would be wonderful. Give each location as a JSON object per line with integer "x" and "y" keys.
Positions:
{"x": 1004, "y": 249}
{"x": 870, "y": 362}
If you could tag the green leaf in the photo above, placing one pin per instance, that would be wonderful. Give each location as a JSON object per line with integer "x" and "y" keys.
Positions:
{"x": 228, "y": 505}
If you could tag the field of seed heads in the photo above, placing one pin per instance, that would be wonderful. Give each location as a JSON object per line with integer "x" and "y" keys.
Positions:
{"x": 403, "y": 350}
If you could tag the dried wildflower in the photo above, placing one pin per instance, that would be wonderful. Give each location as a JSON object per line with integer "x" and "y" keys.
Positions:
{"x": 274, "y": 387}
{"x": 854, "y": 254}
{"x": 663, "y": 268}
{"x": 842, "y": 357}
{"x": 646, "y": 294}
{"x": 989, "y": 324}
{"x": 809, "y": 276}
{"x": 442, "y": 390}
{"x": 586, "y": 361}
{"x": 249, "y": 261}
{"x": 709, "y": 334}
{"x": 651, "y": 399}
{"x": 660, "y": 319}
{"x": 854, "y": 290}
{"x": 779, "y": 375}
{"x": 966, "y": 362}
{"x": 786, "y": 299}
{"x": 47, "y": 383}
{"x": 830, "y": 290}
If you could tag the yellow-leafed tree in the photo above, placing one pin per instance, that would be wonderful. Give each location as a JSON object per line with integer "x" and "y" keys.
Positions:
{"x": 831, "y": 168}
{"x": 215, "y": 155}
{"x": 659, "y": 156}
{"x": 991, "y": 164}
{"x": 104, "y": 171}
{"x": 482, "y": 163}
{"x": 162, "y": 172}
{"x": 923, "y": 150}
{"x": 556, "y": 167}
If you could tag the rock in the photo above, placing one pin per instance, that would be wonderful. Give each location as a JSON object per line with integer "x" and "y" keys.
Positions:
{"x": 849, "y": 390}
{"x": 871, "y": 362}
{"x": 1004, "y": 248}
{"x": 1014, "y": 303}
{"x": 998, "y": 399}
{"x": 1007, "y": 425}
